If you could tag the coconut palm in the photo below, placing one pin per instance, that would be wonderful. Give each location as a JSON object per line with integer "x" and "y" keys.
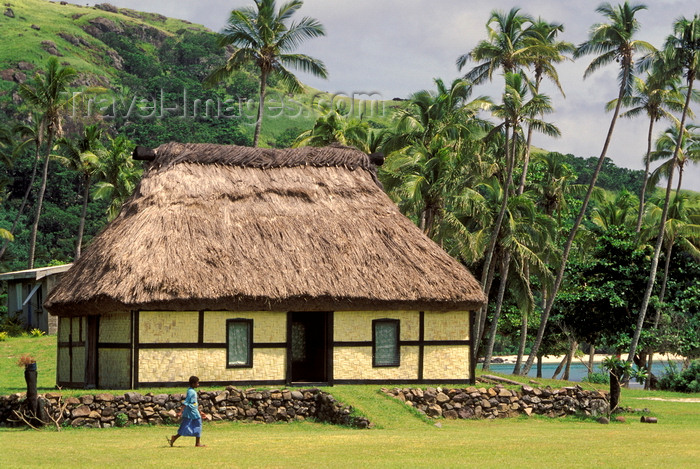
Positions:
{"x": 546, "y": 52}
{"x": 615, "y": 42}
{"x": 505, "y": 48}
{"x": 515, "y": 109}
{"x": 682, "y": 228}
{"x": 549, "y": 191}
{"x": 423, "y": 150}
{"x": 79, "y": 155}
{"x": 616, "y": 209}
{"x": 6, "y": 159}
{"x": 526, "y": 236}
{"x": 336, "y": 127}
{"x": 688, "y": 152}
{"x": 23, "y": 135}
{"x": 49, "y": 95}
{"x": 681, "y": 57}
{"x": 116, "y": 173}
{"x": 656, "y": 96}
{"x": 264, "y": 36}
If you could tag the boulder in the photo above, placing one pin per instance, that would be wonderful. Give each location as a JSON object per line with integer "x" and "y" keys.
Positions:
{"x": 105, "y": 25}
{"x": 81, "y": 411}
{"x": 9, "y": 13}
{"x": 50, "y": 47}
{"x": 434, "y": 411}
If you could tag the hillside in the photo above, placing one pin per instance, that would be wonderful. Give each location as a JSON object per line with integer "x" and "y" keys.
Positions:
{"x": 33, "y": 30}
{"x": 147, "y": 60}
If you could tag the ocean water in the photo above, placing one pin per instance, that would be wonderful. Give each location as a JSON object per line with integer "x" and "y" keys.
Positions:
{"x": 577, "y": 372}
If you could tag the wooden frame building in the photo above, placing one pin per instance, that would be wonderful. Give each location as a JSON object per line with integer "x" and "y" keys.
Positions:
{"x": 26, "y": 290}
{"x": 259, "y": 266}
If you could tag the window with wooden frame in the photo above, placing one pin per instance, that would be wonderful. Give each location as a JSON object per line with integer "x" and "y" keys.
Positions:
{"x": 385, "y": 343}
{"x": 239, "y": 343}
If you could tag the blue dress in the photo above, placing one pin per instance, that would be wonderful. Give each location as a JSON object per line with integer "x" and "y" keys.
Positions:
{"x": 191, "y": 424}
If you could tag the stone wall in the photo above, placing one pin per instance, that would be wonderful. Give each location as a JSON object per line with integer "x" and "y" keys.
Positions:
{"x": 132, "y": 408}
{"x": 285, "y": 405}
{"x": 472, "y": 402}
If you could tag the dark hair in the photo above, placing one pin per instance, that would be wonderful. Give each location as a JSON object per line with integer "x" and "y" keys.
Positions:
{"x": 193, "y": 380}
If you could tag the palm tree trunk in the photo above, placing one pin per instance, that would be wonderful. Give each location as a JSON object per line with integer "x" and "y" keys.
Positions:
{"x": 526, "y": 160}
{"x": 521, "y": 346}
{"x": 261, "y": 106}
{"x": 646, "y": 176}
{"x": 662, "y": 229}
{"x": 505, "y": 267}
{"x": 24, "y": 199}
{"x": 40, "y": 201}
{"x": 591, "y": 357}
{"x": 559, "y": 368}
{"x": 569, "y": 359}
{"x": 667, "y": 266}
{"x": 570, "y": 240}
{"x": 523, "y": 327}
{"x": 487, "y": 272}
{"x": 481, "y": 323}
{"x": 81, "y": 227}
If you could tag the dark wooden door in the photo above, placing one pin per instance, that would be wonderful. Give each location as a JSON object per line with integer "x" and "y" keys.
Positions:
{"x": 91, "y": 350}
{"x": 308, "y": 347}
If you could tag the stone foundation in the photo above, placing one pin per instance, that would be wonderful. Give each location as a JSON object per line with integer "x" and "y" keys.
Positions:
{"x": 107, "y": 410}
{"x": 499, "y": 402}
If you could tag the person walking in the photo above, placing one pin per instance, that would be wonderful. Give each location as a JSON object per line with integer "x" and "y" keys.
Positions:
{"x": 191, "y": 424}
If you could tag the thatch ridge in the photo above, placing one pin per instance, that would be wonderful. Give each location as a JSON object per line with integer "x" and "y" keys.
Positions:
{"x": 173, "y": 153}
{"x": 214, "y": 227}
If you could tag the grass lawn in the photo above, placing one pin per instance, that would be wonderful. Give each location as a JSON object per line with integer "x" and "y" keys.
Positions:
{"x": 400, "y": 439}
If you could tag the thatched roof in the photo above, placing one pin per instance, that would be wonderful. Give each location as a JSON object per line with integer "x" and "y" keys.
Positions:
{"x": 233, "y": 228}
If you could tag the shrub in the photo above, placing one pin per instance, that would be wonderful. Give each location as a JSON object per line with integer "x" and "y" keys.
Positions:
{"x": 598, "y": 378}
{"x": 3, "y": 336}
{"x": 121, "y": 419}
{"x": 11, "y": 324}
{"x": 37, "y": 333}
{"x": 687, "y": 380}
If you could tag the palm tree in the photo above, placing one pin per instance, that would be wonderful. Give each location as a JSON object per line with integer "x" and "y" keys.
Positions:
{"x": 6, "y": 159}
{"x": 423, "y": 150}
{"x": 264, "y": 37}
{"x": 336, "y": 127}
{"x": 614, "y": 210}
{"x": 688, "y": 152}
{"x": 526, "y": 235}
{"x": 682, "y": 56}
{"x": 505, "y": 48}
{"x": 48, "y": 95}
{"x": 547, "y": 51}
{"x": 550, "y": 193}
{"x": 682, "y": 228}
{"x": 615, "y": 42}
{"x": 116, "y": 173}
{"x": 656, "y": 97}
{"x": 79, "y": 155}
{"x": 514, "y": 110}
{"x": 29, "y": 134}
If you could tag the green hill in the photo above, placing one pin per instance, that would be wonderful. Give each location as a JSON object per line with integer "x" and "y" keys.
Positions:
{"x": 145, "y": 62}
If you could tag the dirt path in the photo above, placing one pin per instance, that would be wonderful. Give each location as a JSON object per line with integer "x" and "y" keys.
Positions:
{"x": 682, "y": 399}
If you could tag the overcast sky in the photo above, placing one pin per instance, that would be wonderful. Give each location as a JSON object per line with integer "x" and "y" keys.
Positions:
{"x": 396, "y": 47}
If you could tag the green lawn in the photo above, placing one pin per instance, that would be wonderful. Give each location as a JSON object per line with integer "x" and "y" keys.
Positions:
{"x": 400, "y": 439}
